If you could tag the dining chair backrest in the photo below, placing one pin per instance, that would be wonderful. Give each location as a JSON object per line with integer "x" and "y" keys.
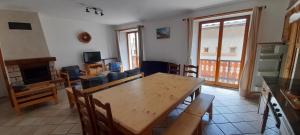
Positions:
{"x": 174, "y": 69}
{"x": 191, "y": 71}
{"x": 103, "y": 117}
{"x": 84, "y": 110}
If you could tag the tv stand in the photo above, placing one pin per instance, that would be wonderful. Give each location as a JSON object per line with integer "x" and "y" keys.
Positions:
{"x": 95, "y": 68}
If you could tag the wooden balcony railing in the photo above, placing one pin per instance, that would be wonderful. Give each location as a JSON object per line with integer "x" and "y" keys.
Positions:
{"x": 229, "y": 70}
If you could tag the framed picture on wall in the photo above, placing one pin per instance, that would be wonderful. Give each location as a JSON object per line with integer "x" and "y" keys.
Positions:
{"x": 163, "y": 33}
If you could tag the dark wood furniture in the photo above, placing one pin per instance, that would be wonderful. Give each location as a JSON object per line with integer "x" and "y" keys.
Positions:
{"x": 100, "y": 87}
{"x": 84, "y": 109}
{"x": 152, "y": 67}
{"x": 103, "y": 120}
{"x": 174, "y": 69}
{"x": 34, "y": 94}
{"x": 71, "y": 74}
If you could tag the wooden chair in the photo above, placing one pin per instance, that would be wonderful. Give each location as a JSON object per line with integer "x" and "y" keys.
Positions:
{"x": 174, "y": 69}
{"x": 191, "y": 71}
{"x": 84, "y": 110}
{"x": 103, "y": 119}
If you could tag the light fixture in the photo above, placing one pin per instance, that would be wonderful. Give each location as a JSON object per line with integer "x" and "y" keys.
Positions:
{"x": 87, "y": 10}
{"x": 97, "y": 11}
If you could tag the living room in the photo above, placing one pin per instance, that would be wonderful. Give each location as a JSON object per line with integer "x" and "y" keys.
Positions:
{"x": 184, "y": 67}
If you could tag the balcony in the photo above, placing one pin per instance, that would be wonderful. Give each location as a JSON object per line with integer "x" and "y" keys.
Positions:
{"x": 229, "y": 70}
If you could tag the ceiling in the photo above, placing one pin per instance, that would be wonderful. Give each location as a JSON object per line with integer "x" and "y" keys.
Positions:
{"x": 116, "y": 11}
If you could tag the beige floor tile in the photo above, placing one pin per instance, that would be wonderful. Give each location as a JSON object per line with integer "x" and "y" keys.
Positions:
{"x": 76, "y": 129}
{"x": 45, "y": 130}
{"x": 62, "y": 129}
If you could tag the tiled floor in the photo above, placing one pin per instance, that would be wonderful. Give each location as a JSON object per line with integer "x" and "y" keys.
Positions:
{"x": 231, "y": 115}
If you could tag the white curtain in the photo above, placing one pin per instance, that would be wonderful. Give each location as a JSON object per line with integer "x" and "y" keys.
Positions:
{"x": 118, "y": 45}
{"x": 141, "y": 44}
{"x": 189, "y": 22}
{"x": 247, "y": 71}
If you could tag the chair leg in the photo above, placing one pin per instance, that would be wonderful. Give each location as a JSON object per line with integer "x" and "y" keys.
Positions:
{"x": 210, "y": 111}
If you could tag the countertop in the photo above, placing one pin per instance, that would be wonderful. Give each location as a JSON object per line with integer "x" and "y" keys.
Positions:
{"x": 277, "y": 84}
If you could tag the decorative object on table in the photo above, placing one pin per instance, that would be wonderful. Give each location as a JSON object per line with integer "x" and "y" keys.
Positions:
{"x": 162, "y": 33}
{"x": 84, "y": 37}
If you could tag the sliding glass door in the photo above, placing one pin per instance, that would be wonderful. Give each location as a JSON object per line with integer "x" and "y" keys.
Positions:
{"x": 221, "y": 50}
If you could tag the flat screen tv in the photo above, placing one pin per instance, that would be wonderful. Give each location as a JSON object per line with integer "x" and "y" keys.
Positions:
{"x": 91, "y": 57}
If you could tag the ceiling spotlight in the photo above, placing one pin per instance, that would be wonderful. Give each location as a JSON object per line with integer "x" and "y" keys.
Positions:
{"x": 97, "y": 11}
{"x": 87, "y": 10}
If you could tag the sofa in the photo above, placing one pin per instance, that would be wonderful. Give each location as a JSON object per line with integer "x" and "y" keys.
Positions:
{"x": 105, "y": 78}
{"x": 152, "y": 67}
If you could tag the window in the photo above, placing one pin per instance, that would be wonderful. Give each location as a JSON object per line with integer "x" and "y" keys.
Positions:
{"x": 232, "y": 49}
{"x": 205, "y": 50}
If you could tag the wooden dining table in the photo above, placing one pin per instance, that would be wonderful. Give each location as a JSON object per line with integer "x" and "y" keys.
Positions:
{"x": 137, "y": 106}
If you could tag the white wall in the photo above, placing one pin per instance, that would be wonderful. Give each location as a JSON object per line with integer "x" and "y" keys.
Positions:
{"x": 173, "y": 49}
{"x": 18, "y": 44}
{"x": 61, "y": 36}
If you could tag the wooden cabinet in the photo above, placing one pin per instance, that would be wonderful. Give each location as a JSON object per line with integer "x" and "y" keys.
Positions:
{"x": 94, "y": 69}
{"x": 291, "y": 36}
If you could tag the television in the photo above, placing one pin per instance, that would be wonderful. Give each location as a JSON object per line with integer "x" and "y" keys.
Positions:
{"x": 91, "y": 57}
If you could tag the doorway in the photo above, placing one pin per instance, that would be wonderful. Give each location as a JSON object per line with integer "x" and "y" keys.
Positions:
{"x": 133, "y": 49}
{"x": 222, "y": 44}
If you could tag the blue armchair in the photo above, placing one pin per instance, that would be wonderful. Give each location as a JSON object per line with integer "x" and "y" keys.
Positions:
{"x": 71, "y": 74}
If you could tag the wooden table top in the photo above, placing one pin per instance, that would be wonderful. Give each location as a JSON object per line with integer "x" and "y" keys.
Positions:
{"x": 139, "y": 104}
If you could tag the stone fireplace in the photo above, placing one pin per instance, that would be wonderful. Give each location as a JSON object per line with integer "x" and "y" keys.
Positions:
{"x": 29, "y": 71}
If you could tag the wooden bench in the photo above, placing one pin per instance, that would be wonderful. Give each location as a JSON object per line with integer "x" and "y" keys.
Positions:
{"x": 100, "y": 87}
{"x": 34, "y": 94}
{"x": 189, "y": 122}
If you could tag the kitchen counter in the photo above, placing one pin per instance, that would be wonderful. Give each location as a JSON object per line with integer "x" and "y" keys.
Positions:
{"x": 277, "y": 84}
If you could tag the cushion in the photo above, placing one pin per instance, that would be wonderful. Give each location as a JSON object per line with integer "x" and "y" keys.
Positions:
{"x": 94, "y": 81}
{"x": 114, "y": 67}
{"x": 112, "y": 76}
{"x": 122, "y": 75}
{"x": 73, "y": 72}
{"x": 133, "y": 72}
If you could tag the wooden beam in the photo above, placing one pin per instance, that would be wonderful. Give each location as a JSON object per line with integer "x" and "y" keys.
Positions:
{"x": 29, "y": 60}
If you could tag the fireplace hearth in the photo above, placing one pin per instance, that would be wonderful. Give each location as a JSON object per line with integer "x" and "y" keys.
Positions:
{"x": 33, "y": 70}
{"x": 35, "y": 74}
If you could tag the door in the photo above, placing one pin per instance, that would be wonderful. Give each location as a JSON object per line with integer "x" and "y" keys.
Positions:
{"x": 133, "y": 49}
{"x": 221, "y": 50}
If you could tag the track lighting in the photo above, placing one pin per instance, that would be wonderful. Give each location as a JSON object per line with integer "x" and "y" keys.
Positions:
{"x": 97, "y": 11}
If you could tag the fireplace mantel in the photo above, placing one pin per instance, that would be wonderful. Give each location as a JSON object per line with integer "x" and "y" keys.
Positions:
{"x": 29, "y": 61}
